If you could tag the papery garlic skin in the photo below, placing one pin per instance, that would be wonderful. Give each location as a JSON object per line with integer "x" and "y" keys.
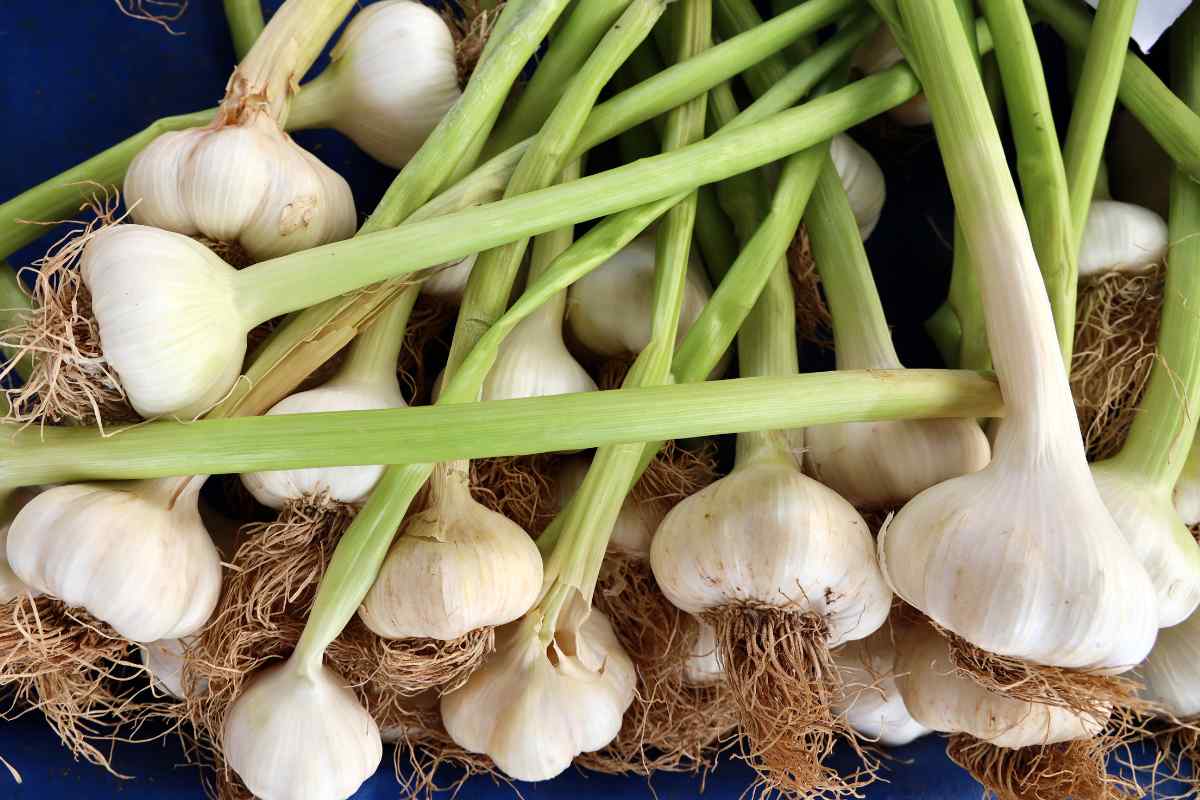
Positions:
{"x": 609, "y": 310}
{"x": 879, "y": 53}
{"x": 703, "y": 666}
{"x": 164, "y": 661}
{"x": 1159, "y": 539}
{"x": 534, "y": 708}
{"x": 1170, "y": 675}
{"x": 449, "y": 281}
{"x": 635, "y": 523}
{"x": 454, "y": 568}
{"x": 168, "y": 318}
{"x": 862, "y": 179}
{"x": 534, "y": 362}
{"x": 276, "y": 488}
{"x": 134, "y": 555}
{"x": 247, "y": 183}
{"x": 392, "y": 76}
{"x": 766, "y": 533}
{"x": 298, "y": 734}
{"x": 1121, "y": 237}
{"x": 945, "y": 702}
{"x": 873, "y": 705}
{"x": 885, "y": 464}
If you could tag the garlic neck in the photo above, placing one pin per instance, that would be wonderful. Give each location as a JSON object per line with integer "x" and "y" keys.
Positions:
{"x": 763, "y": 447}
{"x": 316, "y": 104}
{"x": 375, "y": 352}
{"x": 172, "y": 493}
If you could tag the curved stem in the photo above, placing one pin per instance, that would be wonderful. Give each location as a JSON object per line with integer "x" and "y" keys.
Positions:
{"x": 245, "y": 19}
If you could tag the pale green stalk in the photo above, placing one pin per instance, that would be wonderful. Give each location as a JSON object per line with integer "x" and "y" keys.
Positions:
{"x": 376, "y": 350}
{"x": 14, "y": 303}
{"x": 803, "y": 47}
{"x": 738, "y": 16}
{"x": 245, "y": 19}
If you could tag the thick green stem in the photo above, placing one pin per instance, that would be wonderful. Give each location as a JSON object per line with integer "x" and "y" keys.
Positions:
{"x": 374, "y": 353}
{"x": 14, "y": 303}
{"x": 1039, "y": 160}
{"x": 245, "y": 19}
{"x": 1165, "y": 425}
{"x": 738, "y": 16}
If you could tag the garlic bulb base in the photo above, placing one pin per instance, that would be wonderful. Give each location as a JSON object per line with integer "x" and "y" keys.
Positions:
{"x": 1170, "y": 675}
{"x": 871, "y": 702}
{"x": 1121, "y": 237}
{"x": 164, "y": 662}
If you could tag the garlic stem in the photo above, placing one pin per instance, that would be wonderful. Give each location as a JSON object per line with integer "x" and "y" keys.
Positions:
{"x": 245, "y": 18}
{"x": 374, "y": 352}
{"x": 14, "y": 301}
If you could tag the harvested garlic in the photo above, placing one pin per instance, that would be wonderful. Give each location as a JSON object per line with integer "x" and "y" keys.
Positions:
{"x": 1121, "y": 237}
{"x": 534, "y": 362}
{"x": 134, "y": 555}
{"x": 11, "y": 587}
{"x": 298, "y": 732}
{"x": 703, "y": 666}
{"x": 392, "y": 76}
{"x": 164, "y": 661}
{"x": 544, "y": 697}
{"x": 448, "y": 282}
{"x": 863, "y": 180}
{"x": 1187, "y": 491}
{"x": 872, "y": 703}
{"x": 1170, "y": 675}
{"x": 454, "y": 568}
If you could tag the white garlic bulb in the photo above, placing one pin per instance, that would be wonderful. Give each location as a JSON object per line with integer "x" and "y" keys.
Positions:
{"x": 635, "y": 523}
{"x": 872, "y": 704}
{"x": 1121, "y": 237}
{"x": 164, "y": 661}
{"x": 300, "y": 734}
{"x": 343, "y": 484}
{"x": 449, "y": 281}
{"x": 541, "y": 700}
{"x": 247, "y": 183}
{"x": 943, "y": 701}
{"x": 1170, "y": 675}
{"x": 703, "y": 666}
{"x": 169, "y": 318}
{"x": 767, "y": 534}
{"x": 11, "y": 587}
{"x": 862, "y": 179}
{"x": 1187, "y": 489}
{"x": 879, "y": 53}
{"x": 134, "y": 555}
{"x": 454, "y": 568}
{"x": 609, "y": 310}
{"x": 1146, "y": 515}
{"x": 534, "y": 362}
{"x": 392, "y": 76}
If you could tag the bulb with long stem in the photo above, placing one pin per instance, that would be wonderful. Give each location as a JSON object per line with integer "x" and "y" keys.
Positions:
{"x": 875, "y": 464}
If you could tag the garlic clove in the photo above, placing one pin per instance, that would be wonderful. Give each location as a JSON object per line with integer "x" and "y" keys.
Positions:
{"x": 134, "y": 555}
{"x": 1187, "y": 491}
{"x": 863, "y": 180}
{"x": 297, "y": 734}
{"x": 455, "y": 567}
{"x": 450, "y": 281}
{"x": 226, "y": 175}
{"x": 536, "y": 704}
{"x": 396, "y": 76}
{"x": 152, "y": 183}
{"x": 885, "y": 464}
{"x": 534, "y": 362}
{"x": 942, "y": 701}
{"x": 1159, "y": 539}
{"x": 636, "y": 521}
{"x": 1121, "y": 237}
{"x": 766, "y": 533}
{"x": 343, "y": 484}
{"x": 872, "y": 704}
{"x": 703, "y": 666}
{"x": 168, "y": 318}
{"x": 1025, "y": 561}
{"x": 164, "y": 661}
{"x": 1170, "y": 675}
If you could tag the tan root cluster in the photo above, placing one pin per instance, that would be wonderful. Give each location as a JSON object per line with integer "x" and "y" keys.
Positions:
{"x": 70, "y": 380}
{"x": 519, "y": 488}
{"x": 1076, "y": 769}
{"x": 426, "y": 341}
{"x": 1116, "y": 332}
{"x": 814, "y": 325}
{"x": 471, "y": 27}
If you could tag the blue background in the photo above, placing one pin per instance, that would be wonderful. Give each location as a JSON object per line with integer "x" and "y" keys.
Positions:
{"x": 78, "y": 76}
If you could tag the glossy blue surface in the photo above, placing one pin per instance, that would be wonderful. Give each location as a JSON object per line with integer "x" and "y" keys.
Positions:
{"x": 79, "y": 77}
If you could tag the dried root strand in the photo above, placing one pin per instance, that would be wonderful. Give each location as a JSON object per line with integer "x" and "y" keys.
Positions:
{"x": 521, "y": 488}
{"x": 610, "y": 374}
{"x": 814, "y": 324}
{"x": 1075, "y": 770}
{"x": 783, "y": 683}
{"x": 1178, "y": 759}
{"x": 471, "y": 26}
{"x": 160, "y": 12}
{"x": 425, "y": 752}
{"x": 426, "y": 341}
{"x": 676, "y": 473}
{"x": 1116, "y": 332}
{"x": 70, "y": 379}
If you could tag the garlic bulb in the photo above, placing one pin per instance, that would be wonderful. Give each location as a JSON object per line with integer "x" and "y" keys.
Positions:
{"x": 1120, "y": 237}
{"x": 945, "y": 702}
{"x": 609, "y": 309}
{"x": 454, "y": 568}
{"x": 11, "y": 587}
{"x": 168, "y": 317}
{"x": 703, "y": 666}
{"x": 534, "y": 362}
{"x": 248, "y": 184}
{"x": 164, "y": 662}
{"x": 542, "y": 699}
{"x": 1170, "y": 675}
{"x": 872, "y": 704}
{"x": 876, "y": 55}
{"x": 392, "y": 76}
{"x": 635, "y": 523}
{"x": 863, "y": 180}
{"x": 1146, "y": 515}
{"x": 767, "y": 534}
{"x": 299, "y": 733}
{"x": 1187, "y": 490}
{"x": 450, "y": 281}
{"x": 134, "y": 555}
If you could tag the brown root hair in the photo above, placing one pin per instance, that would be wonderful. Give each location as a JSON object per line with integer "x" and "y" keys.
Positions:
{"x": 814, "y": 324}
{"x": 1075, "y": 769}
{"x": 471, "y": 29}
{"x": 520, "y": 488}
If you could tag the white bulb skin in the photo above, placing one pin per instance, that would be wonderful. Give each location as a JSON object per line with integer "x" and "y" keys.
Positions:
{"x": 134, "y": 555}
{"x": 168, "y": 318}
{"x": 945, "y": 702}
{"x": 609, "y": 310}
{"x": 454, "y": 568}
{"x": 534, "y": 712}
{"x": 881, "y": 465}
{"x": 703, "y": 666}
{"x": 872, "y": 704}
{"x": 164, "y": 661}
{"x": 449, "y": 282}
{"x": 1170, "y": 675}
{"x": 247, "y": 183}
{"x": 1187, "y": 490}
{"x": 863, "y": 180}
{"x": 1160, "y": 540}
{"x": 394, "y": 75}
{"x": 767, "y": 534}
{"x": 12, "y": 587}
{"x": 534, "y": 362}
{"x": 1121, "y": 237}
{"x": 879, "y": 53}
{"x": 300, "y": 734}
{"x": 636, "y": 521}
{"x": 276, "y": 488}
{"x": 1022, "y": 559}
